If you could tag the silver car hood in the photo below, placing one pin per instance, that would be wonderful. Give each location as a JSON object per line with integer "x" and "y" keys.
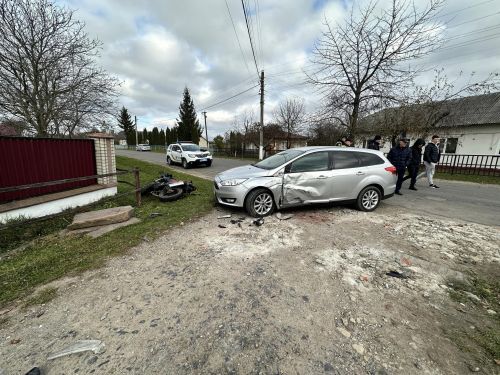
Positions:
{"x": 246, "y": 171}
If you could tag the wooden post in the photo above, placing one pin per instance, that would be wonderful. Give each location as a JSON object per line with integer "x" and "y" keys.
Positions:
{"x": 137, "y": 187}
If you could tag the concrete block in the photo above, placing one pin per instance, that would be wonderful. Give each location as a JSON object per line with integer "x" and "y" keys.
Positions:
{"x": 101, "y": 217}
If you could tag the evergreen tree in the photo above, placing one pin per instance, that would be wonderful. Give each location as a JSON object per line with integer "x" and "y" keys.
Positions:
{"x": 188, "y": 128}
{"x": 125, "y": 123}
{"x": 145, "y": 136}
{"x": 155, "y": 137}
{"x": 161, "y": 137}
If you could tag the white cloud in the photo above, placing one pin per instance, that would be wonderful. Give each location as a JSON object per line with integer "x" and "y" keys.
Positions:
{"x": 158, "y": 47}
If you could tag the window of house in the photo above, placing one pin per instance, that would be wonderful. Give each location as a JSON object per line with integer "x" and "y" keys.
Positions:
{"x": 319, "y": 161}
{"x": 451, "y": 145}
{"x": 345, "y": 159}
{"x": 442, "y": 142}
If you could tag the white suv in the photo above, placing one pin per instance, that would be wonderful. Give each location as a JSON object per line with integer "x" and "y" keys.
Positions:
{"x": 187, "y": 154}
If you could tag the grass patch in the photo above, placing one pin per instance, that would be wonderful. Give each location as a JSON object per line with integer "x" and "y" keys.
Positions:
{"x": 486, "y": 335}
{"x": 468, "y": 178}
{"x": 46, "y": 295}
{"x": 50, "y": 256}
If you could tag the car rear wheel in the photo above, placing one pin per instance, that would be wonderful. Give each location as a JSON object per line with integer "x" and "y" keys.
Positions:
{"x": 368, "y": 199}
{"x": 259, "y": 203}
{"x": 185, "y": 164}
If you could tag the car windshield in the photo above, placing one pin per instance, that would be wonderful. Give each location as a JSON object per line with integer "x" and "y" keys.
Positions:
{"x": 190, "y": 148}
{"x": 278, "y": 159}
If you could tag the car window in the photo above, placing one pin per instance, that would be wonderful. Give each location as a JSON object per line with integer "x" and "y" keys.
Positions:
{"x": 279, "y": 159}
{"x": 318, "y": 161}
{"x": 345, "y": 159}
{"x": 176, "y": 148}
{"x": 366, "y": 159}
{"x": 190, "y": 147}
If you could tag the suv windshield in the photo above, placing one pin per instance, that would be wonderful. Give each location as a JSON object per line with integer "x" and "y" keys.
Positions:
{"x": 278, "y": 159}
{"x": 190, "y": 148}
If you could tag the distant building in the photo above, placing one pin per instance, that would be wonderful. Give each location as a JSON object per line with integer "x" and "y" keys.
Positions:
{"x": 469, "y": 125}
{"x": 203, "y": 143}
{"x": 275, "y": 139}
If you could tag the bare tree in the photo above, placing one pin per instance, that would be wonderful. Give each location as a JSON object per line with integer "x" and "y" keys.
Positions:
{"x": 363, "y": 60}
{"x": 423, "y": 108}
{"x": 289, "y": 115}
{"x": 48, "y": 75}
{"x": 243, "y": 124}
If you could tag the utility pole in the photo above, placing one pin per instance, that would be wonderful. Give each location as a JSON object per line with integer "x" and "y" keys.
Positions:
{"x": 261, "y": 143}
{"x": 206, "y": 133}
{"x": 136, "y": 136}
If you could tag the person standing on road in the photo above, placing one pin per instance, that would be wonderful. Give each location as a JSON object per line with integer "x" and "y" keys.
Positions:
{"x": 374, "y": 144}
{"x": 416, "y": 159}
{"x": 431, "y": 158}
{"x": 400, "y": 157}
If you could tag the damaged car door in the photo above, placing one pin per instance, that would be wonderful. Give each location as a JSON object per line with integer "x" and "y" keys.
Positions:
{"x": 308, "y": 180}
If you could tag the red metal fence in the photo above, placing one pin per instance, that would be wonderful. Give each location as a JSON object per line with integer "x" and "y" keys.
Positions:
{"x": 31, "y": 160}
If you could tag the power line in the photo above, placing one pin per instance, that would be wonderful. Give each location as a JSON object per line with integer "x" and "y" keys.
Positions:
{"x": 250, "y": 37}
{"x": 237, "y": 38}
{"x": 469, "y": 7}
{"x": 231, "y": 97}
{"x": 259, "y": 30}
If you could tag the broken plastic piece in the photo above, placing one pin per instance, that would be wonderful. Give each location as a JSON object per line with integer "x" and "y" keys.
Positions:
{"x": 280, "y": 216}
{"x": 396, "y": 274}
{"x": 96, "y": 346}
{"x": 155, "y": 214}
{"x": 224, "y": 217}
{"x": 258, "y": 222}
{"x": 222, "y": 226}
{"x": 34, "y": 371}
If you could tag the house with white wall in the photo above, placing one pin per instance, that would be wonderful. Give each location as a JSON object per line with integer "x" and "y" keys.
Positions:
{"x": 467, "y": 126}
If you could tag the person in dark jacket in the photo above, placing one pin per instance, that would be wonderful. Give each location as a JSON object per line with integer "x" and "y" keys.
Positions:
{"x": 400, "y": 157}
{"x": 374, "y": 144}
{"x": 431, "y": 158}
{"x": 416, "y": 159}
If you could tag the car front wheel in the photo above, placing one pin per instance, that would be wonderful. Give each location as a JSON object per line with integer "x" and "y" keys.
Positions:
{"x": 185, "y": 164}
{"x": 368, "y": 199}
{"x": 259, "y": 203}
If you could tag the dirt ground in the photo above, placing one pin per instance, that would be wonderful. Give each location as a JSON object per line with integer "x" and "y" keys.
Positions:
{"x": 308, "y": 295}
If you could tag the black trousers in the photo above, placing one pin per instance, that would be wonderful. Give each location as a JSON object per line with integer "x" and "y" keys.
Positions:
{"x": 412, "y": 173}
{"x": 401, "y": 175}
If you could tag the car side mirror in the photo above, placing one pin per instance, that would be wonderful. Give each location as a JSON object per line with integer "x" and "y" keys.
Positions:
{"x": 288, "y": 168}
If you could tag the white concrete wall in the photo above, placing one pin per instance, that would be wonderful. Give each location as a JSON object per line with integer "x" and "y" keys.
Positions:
{"x": 56, "y": 206}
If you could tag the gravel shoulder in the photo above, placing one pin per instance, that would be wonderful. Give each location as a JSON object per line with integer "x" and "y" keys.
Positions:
{"x": 301, "y": 296}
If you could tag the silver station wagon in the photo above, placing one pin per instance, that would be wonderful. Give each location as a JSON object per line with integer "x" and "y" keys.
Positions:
{"x": 308, "y": 175}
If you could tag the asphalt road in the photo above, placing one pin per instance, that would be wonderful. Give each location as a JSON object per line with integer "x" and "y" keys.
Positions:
{"x": 455, "y": 200}
{"x": 218, "y": 164}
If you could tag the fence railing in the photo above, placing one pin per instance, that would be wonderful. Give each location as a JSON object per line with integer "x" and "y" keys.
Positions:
{"x": 135, "y": 171}
{"x": 479, "y": 165}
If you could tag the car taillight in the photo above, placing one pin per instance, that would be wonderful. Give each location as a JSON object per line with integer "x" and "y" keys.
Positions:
{"x": 391, "y": 169}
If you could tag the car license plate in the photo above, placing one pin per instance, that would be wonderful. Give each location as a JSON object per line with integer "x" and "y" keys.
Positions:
{"x": 203, "y": 160}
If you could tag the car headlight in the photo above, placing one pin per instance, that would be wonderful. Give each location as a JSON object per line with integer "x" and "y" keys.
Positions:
{"x": 192, "y": 155}
{"x": 233, "y": 182}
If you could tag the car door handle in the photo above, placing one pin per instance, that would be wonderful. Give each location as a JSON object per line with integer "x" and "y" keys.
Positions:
{"x": 321, "y": 177}
{"x": 360, "y": 173}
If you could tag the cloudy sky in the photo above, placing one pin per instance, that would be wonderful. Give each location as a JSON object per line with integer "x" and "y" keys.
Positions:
{"x": 157, "y": 47}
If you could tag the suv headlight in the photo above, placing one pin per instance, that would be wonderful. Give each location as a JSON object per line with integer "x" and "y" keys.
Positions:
{"x": 192, "y": 155}
{"x": 233, "y": 182}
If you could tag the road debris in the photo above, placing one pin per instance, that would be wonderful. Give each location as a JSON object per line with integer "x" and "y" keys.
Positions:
{"x": 33, "y": 371}
{"x": 96, "y": 346}
{"x": 222, "y": 226}
{"x": 155, "y": 214}
{"x": 224, "y": 217}
{"x": 396, "y": 274}
{"x": 258, "y": 222}
{"x": 281, "y": 216}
